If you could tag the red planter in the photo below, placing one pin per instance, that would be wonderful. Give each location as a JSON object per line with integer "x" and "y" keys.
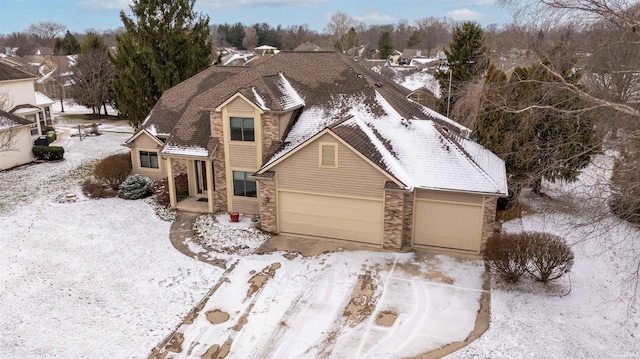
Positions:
{"x": 235, "y": 216}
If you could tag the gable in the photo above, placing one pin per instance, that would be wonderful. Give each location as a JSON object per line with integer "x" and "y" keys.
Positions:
{"x": 348, "y": 174}
{"x": 144, "y": 139}
{"x": 240, "y": 105}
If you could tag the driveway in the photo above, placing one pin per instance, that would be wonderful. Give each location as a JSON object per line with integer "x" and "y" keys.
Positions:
{"x": 339, "y": 304}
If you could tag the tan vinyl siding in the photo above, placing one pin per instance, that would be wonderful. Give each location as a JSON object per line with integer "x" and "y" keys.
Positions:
{"x": 146, "y": 143}
{"x": 239, "y": 107}
{"x": 244, "y": 205}
{"x": 284, "y": 122}
{"x": 449, "y": 196}
{"x": 243, "y": 155}
{"x": 353, "y": 177}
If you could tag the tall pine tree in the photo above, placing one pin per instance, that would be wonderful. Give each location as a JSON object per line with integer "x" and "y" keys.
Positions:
{"x": 165, "y": 44}
{"x": 538, "y": 127}
{"x": 385, "y": 45}
{"x": 466, "y": 61}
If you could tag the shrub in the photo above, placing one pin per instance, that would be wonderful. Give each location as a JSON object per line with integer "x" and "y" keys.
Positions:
{"x": 507, "y": 254}
{"x": 550, "y": 256}
{"x": 113, "y": 170}
{"x": 52, "y": 136}
{"x": 93, "y": 189}
{"x": 543, "y": 255}
{"x": 48, "y": 153}
{"x": 135, "y": 187}
{"x": 47, "y": 129}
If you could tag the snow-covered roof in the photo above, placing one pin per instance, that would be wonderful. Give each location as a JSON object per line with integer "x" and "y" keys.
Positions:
{"x": 23, "y": 109}
{"x": 195, "y": 151}
{"x": 8, "y": 120}
{"x": 417, "y": 152}
{"x": 290, "y": 97}
{"x": 42, "y": 99}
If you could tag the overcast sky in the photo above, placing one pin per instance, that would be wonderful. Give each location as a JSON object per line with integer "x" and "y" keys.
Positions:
{"x": 80, "y": 15}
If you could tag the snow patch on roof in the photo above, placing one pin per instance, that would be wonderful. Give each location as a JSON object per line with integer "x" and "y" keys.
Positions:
{"x": 153, "y": 130}
{"x": 290, "y": 98}
{"x": 196, "y": 151}
{"x": 419, "y": 80}
{"x": 419, "y": 155}
{"x": 259, "y": 99}
{"x": 27, "y": 109}
{"x": 42, "y": 99}
{"x": 7, "y": 123}
{"x": 147, "y": 118}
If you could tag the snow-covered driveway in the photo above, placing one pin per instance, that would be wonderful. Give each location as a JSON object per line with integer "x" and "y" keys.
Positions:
{"x": 358, "y": 304}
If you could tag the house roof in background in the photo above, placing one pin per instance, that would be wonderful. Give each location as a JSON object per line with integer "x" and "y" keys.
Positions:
{"x": 8, "y": 73}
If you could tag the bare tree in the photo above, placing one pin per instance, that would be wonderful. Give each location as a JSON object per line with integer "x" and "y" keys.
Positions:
{"x": 46, "y": 31}
{"x": 92, "y": 80}
{"x": 6, "y": 101}
{"x": 250, "y": 40}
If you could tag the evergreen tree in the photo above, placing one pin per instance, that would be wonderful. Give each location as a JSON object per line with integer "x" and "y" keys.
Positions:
{"x": 165, "y": 44}
{"x": 92, "y": 42}
{"x": 385, "y": 45}
{"x": 414, "y": 39}
{"x": 540, "y": 130}
{"x": 466, "y": 61}
{"x": 349, "y": 40}
{"x": 68, "y": 45}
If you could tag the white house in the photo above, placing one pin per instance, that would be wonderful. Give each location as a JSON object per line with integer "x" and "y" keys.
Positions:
{"x": 15, "y": 140}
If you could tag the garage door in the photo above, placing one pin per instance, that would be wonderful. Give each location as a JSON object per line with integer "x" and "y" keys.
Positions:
{"x": 448, "y": 225}
{"x": 352, "y": 219}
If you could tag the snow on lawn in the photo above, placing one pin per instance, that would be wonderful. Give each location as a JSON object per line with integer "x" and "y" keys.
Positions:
{"x": 87, "y": 278}
{"x": 223, "y": 236}
{"x": 598, "y": 318}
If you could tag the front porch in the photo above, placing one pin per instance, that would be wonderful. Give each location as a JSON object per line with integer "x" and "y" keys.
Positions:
{"x": 193, "y": 204}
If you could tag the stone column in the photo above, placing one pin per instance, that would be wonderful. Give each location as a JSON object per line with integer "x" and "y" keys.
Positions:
{"x": 488, "y": 219}
{"x": 407, "y": 230}
{"x": 393, "y": 216}
{"x": 267, "y": 201}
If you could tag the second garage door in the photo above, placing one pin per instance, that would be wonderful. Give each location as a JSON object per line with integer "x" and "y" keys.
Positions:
{"x": 448, "y": 224}
{"x": 355, "y": 219}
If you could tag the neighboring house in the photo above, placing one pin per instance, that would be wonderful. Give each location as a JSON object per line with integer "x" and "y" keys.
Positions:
{"x": 15, "y": 141}
{"x": 315, "y": 144}
{"x": 22, "y": 99}
{"x": 55, "y": 75}
{"x": 424, "y": 97}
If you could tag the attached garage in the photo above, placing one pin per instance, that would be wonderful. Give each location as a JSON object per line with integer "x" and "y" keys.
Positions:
{"x": 349, "y": 218}
{"x": 448, "y": 220}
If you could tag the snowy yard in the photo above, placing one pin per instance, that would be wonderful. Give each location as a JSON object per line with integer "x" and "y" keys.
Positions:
{"x": 88, "y": 278}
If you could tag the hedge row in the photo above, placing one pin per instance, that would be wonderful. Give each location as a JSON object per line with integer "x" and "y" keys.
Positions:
{"x": 49, "y": 153}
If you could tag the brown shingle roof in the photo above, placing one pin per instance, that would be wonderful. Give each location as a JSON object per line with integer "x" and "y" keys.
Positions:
{"x": 321, "y": 78}
{"x": 9, "y": 120}
{"x": 8, "y": 73}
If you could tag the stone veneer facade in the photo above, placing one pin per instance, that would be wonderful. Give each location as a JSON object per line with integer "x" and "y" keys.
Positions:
{"x": 408, "y": 220}
{"x": 488, "y": 219}
{"x": 267, "y": 201}
{"x": 392, "y": 236}
{"x": 270, "y": 132}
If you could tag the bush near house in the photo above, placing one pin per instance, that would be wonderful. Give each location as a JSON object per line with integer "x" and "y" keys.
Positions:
{"x": 135, "y": 187}
{"x": 544, "y": 256}
{"x": 49, "y": 153}
{"x": 94, "y": 189}
{"x": 113, "y": 170}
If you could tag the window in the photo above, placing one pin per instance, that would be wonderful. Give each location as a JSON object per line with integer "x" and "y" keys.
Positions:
{"x": 149, "y": 159}
{"x": 242, "y": 129}
{"x": 328, "y": 155}
{"x": 244, "y": 185}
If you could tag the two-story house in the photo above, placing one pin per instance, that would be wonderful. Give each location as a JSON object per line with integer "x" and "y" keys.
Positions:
{"x": 316, "y": 145}
{"x": 18, "y": 89}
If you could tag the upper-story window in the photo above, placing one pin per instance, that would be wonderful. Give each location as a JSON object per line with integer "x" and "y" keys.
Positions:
{"x": 242, "y": 129}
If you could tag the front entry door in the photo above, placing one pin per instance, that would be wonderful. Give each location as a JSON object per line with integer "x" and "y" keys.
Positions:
{"x": 201, "y": 177}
